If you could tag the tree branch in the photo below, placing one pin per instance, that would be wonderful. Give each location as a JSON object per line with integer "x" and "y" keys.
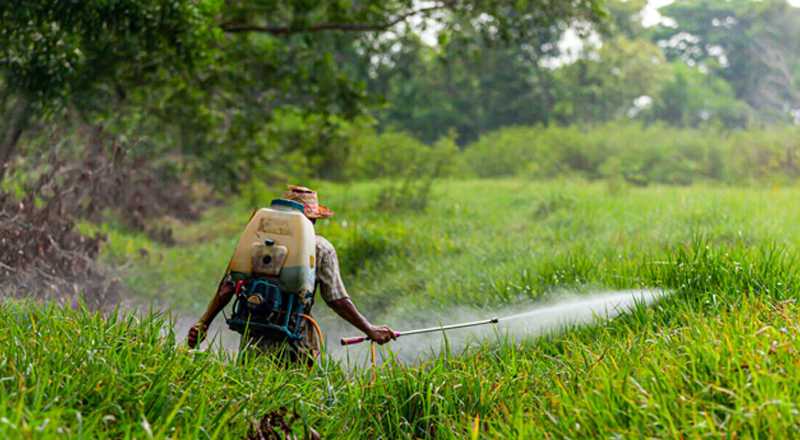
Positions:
{"x": 234, "y": 28}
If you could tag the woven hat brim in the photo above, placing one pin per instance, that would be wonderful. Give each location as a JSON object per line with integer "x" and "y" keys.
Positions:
{"x": 319, "y": 212}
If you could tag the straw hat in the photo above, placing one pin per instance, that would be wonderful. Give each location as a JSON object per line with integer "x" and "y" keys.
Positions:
{"x": 309, "y": 199}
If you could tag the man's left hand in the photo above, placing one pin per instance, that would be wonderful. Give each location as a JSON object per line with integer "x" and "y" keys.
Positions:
{"x": 197, "y": 334}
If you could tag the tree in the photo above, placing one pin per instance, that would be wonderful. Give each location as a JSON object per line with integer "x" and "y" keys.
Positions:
{"x": 603, "y": 85}
{"x": 691, "y": 97}
{"x": 470, "y": 87}
{"x": 470, "y": 80}
{"x": 754, "y": 46}
{"x": 53, "y": 54}
{"x": 209, "y": 75}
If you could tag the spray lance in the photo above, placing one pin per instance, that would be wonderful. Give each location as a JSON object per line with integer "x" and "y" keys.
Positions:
{"x": 357, "y": 339}
{"x": 612, "y": 302}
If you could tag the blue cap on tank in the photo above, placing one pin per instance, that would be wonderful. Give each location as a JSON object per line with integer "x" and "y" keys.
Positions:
{"x": 289, "y": 203}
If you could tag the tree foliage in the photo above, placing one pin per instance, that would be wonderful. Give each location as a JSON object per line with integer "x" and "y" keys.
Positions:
{"x": 606, "y": 84}
{"x": 690, "y": 98}
{"x": 53, "y": 49}
{"x": 754, "y": 46}
{"x": 236, "y": 89}
{"x": 468, "y": 87}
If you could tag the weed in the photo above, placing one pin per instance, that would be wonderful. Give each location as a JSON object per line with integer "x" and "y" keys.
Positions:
{"x": 368, "y": 245}
{"x": 412, "y": 194}
{"x": 551, "y": 203}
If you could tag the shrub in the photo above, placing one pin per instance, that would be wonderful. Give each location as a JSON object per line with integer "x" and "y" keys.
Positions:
{"x": 640, "y": 154}
{"x": 44, "y": 254}
{"x": 388, "y": 155}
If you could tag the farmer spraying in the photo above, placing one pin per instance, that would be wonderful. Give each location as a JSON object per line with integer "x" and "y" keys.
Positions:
{"x": 275, "y": 271}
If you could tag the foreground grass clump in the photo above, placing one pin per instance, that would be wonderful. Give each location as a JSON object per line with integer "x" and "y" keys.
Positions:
{"x": 720, "y": 356}
{"x": 74, "y": 373}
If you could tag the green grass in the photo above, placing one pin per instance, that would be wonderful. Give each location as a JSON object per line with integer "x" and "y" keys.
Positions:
{"x": 719, "y": 357}
{"x": 480, "y": 243}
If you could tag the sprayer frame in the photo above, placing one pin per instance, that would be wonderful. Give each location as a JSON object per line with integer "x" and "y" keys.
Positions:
{"x": 290, "y": 306}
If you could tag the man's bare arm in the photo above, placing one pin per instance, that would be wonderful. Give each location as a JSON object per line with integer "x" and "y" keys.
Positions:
{"x": 198, "y": 331}
{"x": 347, "y": 310}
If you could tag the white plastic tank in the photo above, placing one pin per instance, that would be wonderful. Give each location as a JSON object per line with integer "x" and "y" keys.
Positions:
{"x": 278, "y": 242}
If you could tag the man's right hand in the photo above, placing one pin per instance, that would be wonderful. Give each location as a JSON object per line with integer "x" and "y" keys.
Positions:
{"x": 197, "y": 334}
{"x": 382, "y": 334}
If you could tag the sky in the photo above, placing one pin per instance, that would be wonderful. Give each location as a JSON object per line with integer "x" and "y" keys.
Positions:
{"x": 650, "y": 16}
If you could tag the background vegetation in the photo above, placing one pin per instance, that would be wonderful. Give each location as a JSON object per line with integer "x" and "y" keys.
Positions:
{"x": 227, "y": 92}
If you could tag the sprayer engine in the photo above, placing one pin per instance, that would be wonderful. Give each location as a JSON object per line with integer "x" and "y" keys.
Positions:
{"x": 264, "y": 299}
{"x": 261, "y": 309}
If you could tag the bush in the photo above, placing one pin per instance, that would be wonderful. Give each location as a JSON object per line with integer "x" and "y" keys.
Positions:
{"x": 640, "y": 154}
{"x": 390, "y": 155}
{"x": 42, "y": 251}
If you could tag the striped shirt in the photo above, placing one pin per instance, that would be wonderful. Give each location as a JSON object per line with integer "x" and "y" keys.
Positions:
{"x": 331, "y": 286}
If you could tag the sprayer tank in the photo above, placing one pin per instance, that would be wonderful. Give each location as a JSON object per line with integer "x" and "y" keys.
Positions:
{"x": 278, "y": 242}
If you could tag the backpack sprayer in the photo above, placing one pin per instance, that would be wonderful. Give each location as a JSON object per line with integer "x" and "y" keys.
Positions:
{"x": 273, "y": 267}
{"x": 260, "y": 308}
{"x": 358, "y": 339}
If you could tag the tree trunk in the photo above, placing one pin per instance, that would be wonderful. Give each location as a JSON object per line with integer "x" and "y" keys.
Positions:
{"x": 548, "y": 97}
{"x": 13, "y": 126}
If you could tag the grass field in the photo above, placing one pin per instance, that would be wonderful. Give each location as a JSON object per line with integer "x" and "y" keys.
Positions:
{"x": 719, "y": 357}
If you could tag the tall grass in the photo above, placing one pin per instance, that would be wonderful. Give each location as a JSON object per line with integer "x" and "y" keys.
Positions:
{"x": 716, "y": 358}
{"x": 479, "y": 244}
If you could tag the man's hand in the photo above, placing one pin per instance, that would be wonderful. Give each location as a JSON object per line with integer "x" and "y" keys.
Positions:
{"x": 381, "y": 334}
{"x": 197, "y": 334}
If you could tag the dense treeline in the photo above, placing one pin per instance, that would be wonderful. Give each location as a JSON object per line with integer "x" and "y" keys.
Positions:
{"x": 234, "y": 88}
{"x": 735, "y": 62}
{"x": 223, "y": 92}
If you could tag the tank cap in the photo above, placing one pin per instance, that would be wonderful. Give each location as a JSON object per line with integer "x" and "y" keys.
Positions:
{"x": 289, "y": 203}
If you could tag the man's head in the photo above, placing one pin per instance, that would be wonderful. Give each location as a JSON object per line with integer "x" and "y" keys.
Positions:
{"x": 308, "y": 199}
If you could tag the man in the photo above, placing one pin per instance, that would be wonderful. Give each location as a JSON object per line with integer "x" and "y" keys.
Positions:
{"x": 331, "y": 289}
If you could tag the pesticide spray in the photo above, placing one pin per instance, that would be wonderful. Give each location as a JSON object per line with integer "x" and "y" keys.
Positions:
{"x": 535, "y": 320}
{"x": 519, "y": 322}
